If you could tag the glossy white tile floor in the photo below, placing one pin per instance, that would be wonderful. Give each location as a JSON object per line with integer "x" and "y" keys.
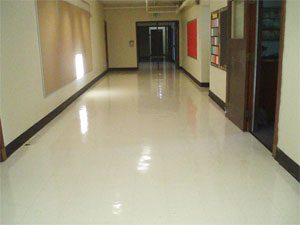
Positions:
{"x": 146, "y": 147}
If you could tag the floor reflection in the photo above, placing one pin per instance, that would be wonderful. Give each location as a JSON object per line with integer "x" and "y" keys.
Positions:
{"x": 117, "y": 207}
{"x": 83, "y": 116}
{"x": 161, "y": 86}
{"x": 145, "y": 159}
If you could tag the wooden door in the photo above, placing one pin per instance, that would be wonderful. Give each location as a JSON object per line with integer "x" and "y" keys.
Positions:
{"x": 156, "y": 43}
{"x": 2, "y": 146}
{"x": 238, "y": 62}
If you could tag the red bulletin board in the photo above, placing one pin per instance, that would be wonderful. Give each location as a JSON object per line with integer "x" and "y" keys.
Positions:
{"x": 192, "y": 38}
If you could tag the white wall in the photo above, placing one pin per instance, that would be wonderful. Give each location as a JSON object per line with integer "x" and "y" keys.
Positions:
{"x": 289, "y": 115}
{"x": 199, "y": 67}
{"x": 217, "y": 82}
{"x": 22, "y": 99}
{"x": 121, "y": 28}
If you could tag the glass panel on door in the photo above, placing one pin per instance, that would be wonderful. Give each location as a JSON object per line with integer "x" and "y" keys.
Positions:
{"x": 237, "y": 19}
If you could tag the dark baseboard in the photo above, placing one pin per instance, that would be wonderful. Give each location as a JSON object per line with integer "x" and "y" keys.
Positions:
{"x": 216, "y": 99}
{"x": 287, "y": 163}
{"x": 123, "y": 69}
{"x": 20, "y": 140}
{"x": 200, "y": 84}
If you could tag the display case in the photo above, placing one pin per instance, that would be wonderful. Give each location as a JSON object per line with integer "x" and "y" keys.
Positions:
{"x": 219, "y": 36}
{"x": 215, "y": 39}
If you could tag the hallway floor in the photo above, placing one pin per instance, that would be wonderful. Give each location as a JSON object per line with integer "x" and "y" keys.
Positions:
{"x": 146, "y": 147}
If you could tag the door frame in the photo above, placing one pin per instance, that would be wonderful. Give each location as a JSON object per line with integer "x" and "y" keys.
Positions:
{"x": 251, "y": 63}
{"x": 171, "y": 47}
{"x": 279, "y": 79}
{"x": 251, "y": 80}
{"x": 177, "y": 34}
{"x": 106, "y": 43}
{"x": 3, "y": 155}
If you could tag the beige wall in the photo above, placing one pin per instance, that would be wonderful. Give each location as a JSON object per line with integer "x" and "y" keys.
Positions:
{"x": 217, "y": 4}
{"x": 22, "y": 99}
{"x": 199, "y": 67}
{"x": 217, "y": 82}
{"x": 121, "y": 28}
{"x": 289, "y": 115}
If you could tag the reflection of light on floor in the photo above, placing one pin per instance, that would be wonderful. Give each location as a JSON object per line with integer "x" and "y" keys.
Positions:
{"x": 79, "y": 66}
{"x": 117, "y": 207}
{"x": 83, "y": 119}
{"x": 160, "y": 89}
{"x": 144, "y": 161}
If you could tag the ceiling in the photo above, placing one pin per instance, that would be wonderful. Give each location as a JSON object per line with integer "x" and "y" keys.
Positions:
{"x": 116, "y": 3}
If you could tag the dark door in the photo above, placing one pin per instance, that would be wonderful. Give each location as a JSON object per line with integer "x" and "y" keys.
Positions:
{"x": 171, "y": 44}
{"x": 143, "y": 43}
{"x": 156, "y": 43}
{"x": 267, "y": 71}
{"x": 237, "y": 63}
{"x": 176, "y": 42}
